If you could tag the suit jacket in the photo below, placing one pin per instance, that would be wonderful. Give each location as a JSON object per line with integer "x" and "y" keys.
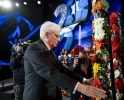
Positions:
{"x": 45, "y": 75}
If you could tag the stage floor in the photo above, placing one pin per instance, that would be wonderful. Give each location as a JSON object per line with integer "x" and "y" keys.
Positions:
{"x": 9, "y": 82}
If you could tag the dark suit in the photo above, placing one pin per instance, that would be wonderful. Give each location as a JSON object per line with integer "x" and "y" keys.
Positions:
{"x": 45, "y": 75}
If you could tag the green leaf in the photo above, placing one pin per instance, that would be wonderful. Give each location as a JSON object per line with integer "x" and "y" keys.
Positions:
{"x": 105, "y": 4}
{"x": 107, "y": 30}
{"x": 104, "y": 50}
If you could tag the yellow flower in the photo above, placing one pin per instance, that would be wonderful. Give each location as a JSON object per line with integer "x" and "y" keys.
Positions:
{"x": 96, "y": 68}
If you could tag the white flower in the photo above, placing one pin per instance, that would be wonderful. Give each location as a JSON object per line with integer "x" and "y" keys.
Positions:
{"x": 114, "y": 60}
{"x": 117, "y": 73}
{"x": 109, "y": 66}
{"x": 99, "y": 32}
{"x": 117, "y": 60}
{"x": 98, "y": 21}
{"x": 109, "y": 75}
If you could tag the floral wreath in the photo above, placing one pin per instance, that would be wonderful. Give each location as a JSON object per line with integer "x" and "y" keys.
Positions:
{"x": 116, "y": 53}
{"x": 100, "y": 60}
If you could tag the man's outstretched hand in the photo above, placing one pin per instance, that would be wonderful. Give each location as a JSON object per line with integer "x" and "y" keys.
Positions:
{"x": 92, "y": 91}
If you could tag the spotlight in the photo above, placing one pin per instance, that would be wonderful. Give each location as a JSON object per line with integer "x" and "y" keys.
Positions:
{"x": 7, "y": 4}
{"x": 17, "y": 4}
{"x": 25, "y": 3}
{"x": 1, "y": 3}
{"x": 39, "y": 2}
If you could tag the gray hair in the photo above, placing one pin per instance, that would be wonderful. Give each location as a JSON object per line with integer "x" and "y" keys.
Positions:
{"x": 48, "y": 27}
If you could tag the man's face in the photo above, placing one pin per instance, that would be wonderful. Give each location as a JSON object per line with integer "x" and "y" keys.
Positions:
{"x": 54, "y": 39}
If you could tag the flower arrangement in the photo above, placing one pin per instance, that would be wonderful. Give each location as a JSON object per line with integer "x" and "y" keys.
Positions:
{"x": 90, "y": 49}
{"x": 76, "y": 50}
{"x": 100, "y": 60}
{"x": 116, "y": 53}
{"x": 101, "y": 30}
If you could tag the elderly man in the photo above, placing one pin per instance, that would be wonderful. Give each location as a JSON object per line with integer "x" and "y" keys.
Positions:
{"x": 45, "y": 75}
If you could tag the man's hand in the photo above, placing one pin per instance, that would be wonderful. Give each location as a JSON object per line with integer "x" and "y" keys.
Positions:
{"x": 92, "y": 91}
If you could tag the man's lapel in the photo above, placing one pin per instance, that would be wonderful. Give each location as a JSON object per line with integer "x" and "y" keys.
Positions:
{"x": 54, "y": 59}
{"x": 50, "y": 54}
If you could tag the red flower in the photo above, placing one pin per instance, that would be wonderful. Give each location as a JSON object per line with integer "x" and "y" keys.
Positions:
{"x": 113, "y": 18}
{"x": 97, "y": 82}
{"x": 76, "y": 50}
{"x": 114, "y": 27}
{"x": 93, "y": 58}
{"x": 115, "y": 47}
{"x": 90, "y": 49}
{"x": 115, "y": 55}
{"x": 115, "y": 64}
{"x": 118, "y": 84}
{"x": 113, "y": 21}
{"x": 113, "y": 14}
{"x": 115, "y": 38}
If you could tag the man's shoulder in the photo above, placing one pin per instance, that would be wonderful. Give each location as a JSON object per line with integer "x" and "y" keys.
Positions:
{"x": 39, "y": 42}
{"x": 36, "y": 46}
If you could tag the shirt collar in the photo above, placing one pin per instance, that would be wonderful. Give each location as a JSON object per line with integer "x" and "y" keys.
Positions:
{"x": 47, "y": 45}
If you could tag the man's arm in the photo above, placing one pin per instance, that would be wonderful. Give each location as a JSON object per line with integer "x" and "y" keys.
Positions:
{"x": 71, "y": 73}
{"x": 48, "y": 67}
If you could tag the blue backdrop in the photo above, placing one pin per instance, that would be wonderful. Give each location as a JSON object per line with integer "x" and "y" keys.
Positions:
{"x": 73, "y": 16}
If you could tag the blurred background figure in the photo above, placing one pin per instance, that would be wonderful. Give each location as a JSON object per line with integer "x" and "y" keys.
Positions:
{"x": 81, "y": 65}
{"x": 17, "y": 66}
